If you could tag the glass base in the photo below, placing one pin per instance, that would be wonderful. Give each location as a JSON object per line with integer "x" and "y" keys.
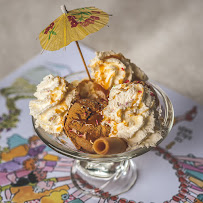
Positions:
{"x": 110, "y": 178}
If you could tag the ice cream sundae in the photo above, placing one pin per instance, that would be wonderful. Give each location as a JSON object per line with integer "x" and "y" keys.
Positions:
{"x": 116, "y": 111}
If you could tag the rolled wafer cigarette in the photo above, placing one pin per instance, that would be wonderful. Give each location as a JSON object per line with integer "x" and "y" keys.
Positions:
{"x": 109, "y": 145}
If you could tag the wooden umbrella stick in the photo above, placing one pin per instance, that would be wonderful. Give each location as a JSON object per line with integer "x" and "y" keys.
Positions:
{"x": 64, "y": 10}
{"x": 83, "y": 60}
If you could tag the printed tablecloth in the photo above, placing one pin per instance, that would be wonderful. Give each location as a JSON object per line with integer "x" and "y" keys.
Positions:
{"x": 32, "y": 172}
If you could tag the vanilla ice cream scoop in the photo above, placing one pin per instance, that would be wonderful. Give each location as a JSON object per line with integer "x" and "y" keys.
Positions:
{"x": 54, "y": 98}
{"x": 110, "y": 68}
{"x": 132, "y": 114}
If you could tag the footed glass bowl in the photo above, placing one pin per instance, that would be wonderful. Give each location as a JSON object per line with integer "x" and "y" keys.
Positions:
{"x": 95, "y": 174}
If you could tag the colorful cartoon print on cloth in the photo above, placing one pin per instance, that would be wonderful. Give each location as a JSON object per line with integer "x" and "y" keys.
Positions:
{"x": 32, "y": 172}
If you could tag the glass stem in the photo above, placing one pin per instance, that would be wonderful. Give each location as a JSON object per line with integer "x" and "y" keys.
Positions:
{"x": 96, "y": 177}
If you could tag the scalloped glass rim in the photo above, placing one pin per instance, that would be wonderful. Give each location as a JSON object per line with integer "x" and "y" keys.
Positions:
{"x": 168, "y": 119}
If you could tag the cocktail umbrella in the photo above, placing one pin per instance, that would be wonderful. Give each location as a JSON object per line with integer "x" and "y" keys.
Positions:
{"x": 72, "y": 26}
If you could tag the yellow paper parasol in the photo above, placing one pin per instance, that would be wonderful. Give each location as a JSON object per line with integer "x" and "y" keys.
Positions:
{"x": 72, "y": 26}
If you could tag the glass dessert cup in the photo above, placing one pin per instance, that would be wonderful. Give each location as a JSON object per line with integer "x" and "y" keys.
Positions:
{"x": 96, "y": 174}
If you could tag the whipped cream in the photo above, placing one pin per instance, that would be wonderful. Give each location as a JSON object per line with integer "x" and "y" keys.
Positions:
{"x": 54, "y": 98}
{"x": 132, "y": 115}
{"x": 110, "y": 68}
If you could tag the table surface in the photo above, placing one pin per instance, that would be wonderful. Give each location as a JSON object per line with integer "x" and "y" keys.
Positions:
{"x": 164, "y": 37}
{"x": 179, "y": 155}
